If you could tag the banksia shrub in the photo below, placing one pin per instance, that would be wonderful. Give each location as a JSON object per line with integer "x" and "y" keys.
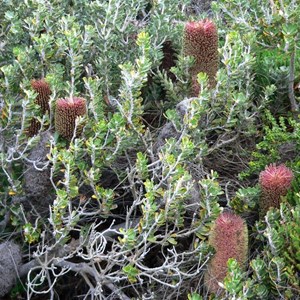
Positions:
{"x": 67, "y": 110}
{"x": 275, "y": 182}
{"x": 201, "y": 41}
{"x": 229, "y": 237}
{"x": 42, "y": 88}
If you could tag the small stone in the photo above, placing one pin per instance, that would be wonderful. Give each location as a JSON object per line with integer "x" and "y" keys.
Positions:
{"x": 11, "y": 257}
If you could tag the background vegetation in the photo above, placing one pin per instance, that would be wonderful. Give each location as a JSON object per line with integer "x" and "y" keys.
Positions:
{"x": 125, "y": 206}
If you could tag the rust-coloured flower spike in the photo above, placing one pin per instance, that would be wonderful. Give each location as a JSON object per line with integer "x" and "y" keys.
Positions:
{"x": 42, "y": 88}
{"x": 229, "y": 237}
{"x": 168, "y": 60}
{"x": 67, "y": 110}
{"x": 201, "y": 41}
{"x": 33, "y": 128}
{"x": 275, "y": 181}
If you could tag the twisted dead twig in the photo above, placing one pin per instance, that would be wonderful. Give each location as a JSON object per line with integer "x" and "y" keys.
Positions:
{"x": 56, "y": 258}
{"x": 221, "y": 143}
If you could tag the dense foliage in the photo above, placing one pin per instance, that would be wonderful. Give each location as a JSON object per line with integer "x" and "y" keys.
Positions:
{"x": 128, "y": 157}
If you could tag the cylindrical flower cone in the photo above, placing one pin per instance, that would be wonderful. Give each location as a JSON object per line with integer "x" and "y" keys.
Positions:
{"x": 201, "y": 41}
{"x": 275, "y": 181}
{"x": 33, "y": 128}
{"x": 229, "y": 237}
{"x": 42, "y": 88}
{"x": 67, "y": 110}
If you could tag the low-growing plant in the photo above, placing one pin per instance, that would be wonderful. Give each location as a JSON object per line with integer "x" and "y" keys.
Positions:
{"x": 110, "y": 170}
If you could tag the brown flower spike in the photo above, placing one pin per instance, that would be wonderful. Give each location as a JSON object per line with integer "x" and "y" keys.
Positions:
{"x": 67, "y": 110}
{"x": 42, "y": 88}
{"x": 229, "y": 237}
{"x": 201, "y": 41}
{"x": 275, "y": 181}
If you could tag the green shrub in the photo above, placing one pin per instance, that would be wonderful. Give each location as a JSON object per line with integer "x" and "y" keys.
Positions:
{"x": 125, "y": 191}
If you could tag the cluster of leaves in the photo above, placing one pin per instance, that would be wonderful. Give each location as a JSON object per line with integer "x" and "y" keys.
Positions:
{"x": 275, "y": 270}
{"x": 132, "y": 200}
{"x": 274, "y": 266}
{"x": 275, "y": 26}
{"x": 79, "y": 47}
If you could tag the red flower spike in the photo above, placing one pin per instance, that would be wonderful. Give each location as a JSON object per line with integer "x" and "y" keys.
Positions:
{"x": 67, "y": 110}
{"x": 229, "y": 237}
{"x": 275, "y": 181}
{"x": 201, "y": 41}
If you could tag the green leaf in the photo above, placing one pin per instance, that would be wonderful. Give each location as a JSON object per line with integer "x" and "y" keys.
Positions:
{"x": 131, "y": 272}
{"x": 194, "y": 296}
